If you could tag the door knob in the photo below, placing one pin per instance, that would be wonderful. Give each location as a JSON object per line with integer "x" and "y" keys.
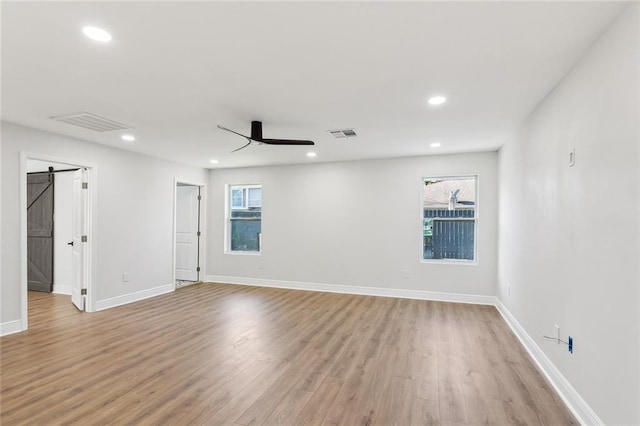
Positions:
{"x": 70, "y": 243}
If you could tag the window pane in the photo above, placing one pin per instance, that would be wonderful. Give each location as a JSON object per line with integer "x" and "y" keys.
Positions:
{"x": 255, "y": 197}
{"x": 245, "y": 234}
{"x": 236, "y": 197}
{"x": 449, "y": 218}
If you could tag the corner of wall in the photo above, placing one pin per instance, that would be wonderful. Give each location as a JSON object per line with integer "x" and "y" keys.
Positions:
{"x": 576, "y": 404}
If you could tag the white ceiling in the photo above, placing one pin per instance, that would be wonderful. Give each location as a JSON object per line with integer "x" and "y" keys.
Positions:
{"x": 175, "y": 70}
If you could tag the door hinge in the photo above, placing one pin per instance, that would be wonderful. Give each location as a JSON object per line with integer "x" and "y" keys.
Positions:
{"x": 198, "y": 234}
{"x": 83, "y": 292}
{"x": 85, "y": 185}
{"x": 198, "y": 269}
{"x": 83, "y": 238}
{"x": 199, "y": 197}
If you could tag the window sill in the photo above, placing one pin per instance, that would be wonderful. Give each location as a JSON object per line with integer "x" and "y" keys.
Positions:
{"x": 449, "y": 262}
{"x": 244, "y": 253}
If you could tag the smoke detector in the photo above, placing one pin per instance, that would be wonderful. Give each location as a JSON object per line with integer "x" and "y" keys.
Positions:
{"x": 343, "y": 133}
{"x": 89, "y": 121}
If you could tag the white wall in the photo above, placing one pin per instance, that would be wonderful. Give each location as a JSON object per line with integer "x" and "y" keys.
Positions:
{"x": 354, "y": 223}
{"x": 134, "y": 217}
{"x": 569, "y": 237}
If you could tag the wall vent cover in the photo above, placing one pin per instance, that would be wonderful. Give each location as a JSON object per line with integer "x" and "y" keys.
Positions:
{"x": 90, "y": 121}
{"x": 343, "y": 133}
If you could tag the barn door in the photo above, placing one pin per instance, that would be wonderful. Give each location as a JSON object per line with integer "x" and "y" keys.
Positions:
{"x": 187, "y": 232}
{"x": 79, "y": 239}
{"x": 40, "y": 232}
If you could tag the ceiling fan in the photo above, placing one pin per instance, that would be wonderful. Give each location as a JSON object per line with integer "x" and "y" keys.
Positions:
{"x": 256, "y": 137}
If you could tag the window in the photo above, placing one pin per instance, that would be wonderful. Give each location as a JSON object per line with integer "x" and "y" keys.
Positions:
{"x": 245, "y": 218}
{"x": 449, "y": 216}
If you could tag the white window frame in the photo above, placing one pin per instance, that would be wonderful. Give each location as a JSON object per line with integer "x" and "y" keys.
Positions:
{"x": 228, "y": 208}
{"x": 476, "y": 218}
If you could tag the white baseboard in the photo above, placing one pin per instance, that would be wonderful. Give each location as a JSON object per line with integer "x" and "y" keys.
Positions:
{"x": 133, "y": 297}
{"x": 578, "y": 406}
{"x": 348, "y": 289}
{"x": 10, "y": 327}
{"x": 62, "y": 289}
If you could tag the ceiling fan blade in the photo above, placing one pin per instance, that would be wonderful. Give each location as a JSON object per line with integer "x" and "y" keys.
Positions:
{"x": 286, "y": 142}
{"x": 256, "y": 137}
{"x": 243, "y": 146}
{"x": 232, "y": 131}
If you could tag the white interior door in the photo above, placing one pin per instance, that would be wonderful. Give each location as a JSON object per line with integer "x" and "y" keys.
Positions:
{"x": 63, "y": 234}
{"x": 78, "y": 216}
{"x": 187, "y": 206}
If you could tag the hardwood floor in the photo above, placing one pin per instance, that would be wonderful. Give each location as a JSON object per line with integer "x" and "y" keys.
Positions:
{"x": 233, "y": 355}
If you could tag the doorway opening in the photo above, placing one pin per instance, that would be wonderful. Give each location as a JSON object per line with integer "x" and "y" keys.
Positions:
{"x": 56, "y": 252}
{"x": 188, "y": 233}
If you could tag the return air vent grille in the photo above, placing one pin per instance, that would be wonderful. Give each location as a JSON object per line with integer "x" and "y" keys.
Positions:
{"x": 91, "y": 121}
{"x": 343, "y": 133}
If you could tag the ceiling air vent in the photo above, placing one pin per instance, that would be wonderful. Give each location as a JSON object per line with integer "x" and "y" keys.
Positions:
{"x": 343, "y": 133}
{"x": 91, "y": 121}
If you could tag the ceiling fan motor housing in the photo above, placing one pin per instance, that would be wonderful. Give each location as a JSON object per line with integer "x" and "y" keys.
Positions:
{"x": 256, "y": 130}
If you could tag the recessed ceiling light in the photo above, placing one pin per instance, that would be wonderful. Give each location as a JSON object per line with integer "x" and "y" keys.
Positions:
{"x": 97, "y": 34}
{"x": 437, "y": 100}
{"x": 128, "y": 138}
{"x": 213, "y": 161}
{"x": 435, "y": 145}
{"x": 311, "y": 154}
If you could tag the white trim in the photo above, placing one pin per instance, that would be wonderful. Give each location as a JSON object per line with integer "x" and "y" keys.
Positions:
{"x": 244, "y": 253}
{"x": 227, "y": 217}
{"x": 134, "y": 297}
{"x": 572, "y": 399}
{"x": 202, "y": 253}
{"x": 460, "y": 262}
{"x": 11, "y": 327}
{"x": 476, "y": 228}
{"x": 62, "y": 289}
{"x": 349, "y": 289}
{"x": 91, "y": 228}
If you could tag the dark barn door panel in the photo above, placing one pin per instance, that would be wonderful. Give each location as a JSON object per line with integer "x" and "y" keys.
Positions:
{"x": 40, "y": 232}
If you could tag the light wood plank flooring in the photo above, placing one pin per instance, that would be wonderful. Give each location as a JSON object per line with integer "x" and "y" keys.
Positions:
{"x": 233, "y": 355}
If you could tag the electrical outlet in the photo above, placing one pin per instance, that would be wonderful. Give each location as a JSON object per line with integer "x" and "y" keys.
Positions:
{"x": 125, "y": 277}
{"x": 556, "y": 333}
{"x": 261, "y": 265}
{"x": 405, "y": 273}
{"x": 508, "y": 290}
{"x": 570, "y": 344}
